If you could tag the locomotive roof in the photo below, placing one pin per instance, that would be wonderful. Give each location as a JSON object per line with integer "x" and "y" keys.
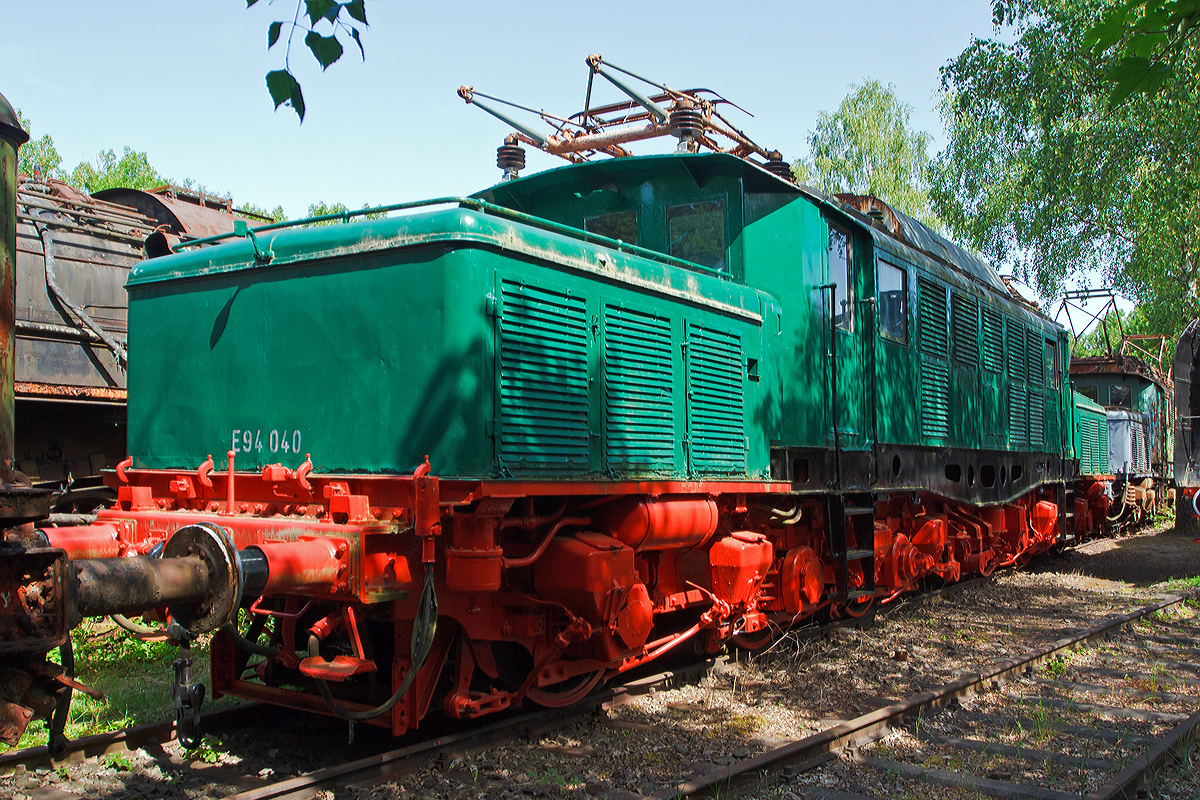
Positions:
{"x": 521, "y": 193}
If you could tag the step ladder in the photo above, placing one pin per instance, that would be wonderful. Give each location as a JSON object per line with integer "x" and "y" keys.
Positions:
{"x": 859, "y": 512}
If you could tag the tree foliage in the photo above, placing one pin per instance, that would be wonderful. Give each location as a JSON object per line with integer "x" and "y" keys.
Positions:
{"x": 868, "y": 146}
{"x": 131, "y": 170}
{"x": 1149, "y": 38}
{"x": 39, "y": 152}
{"x": 326, "y": 49}
{"x": 273, "y": 214}
{"x": 322, "y": 209}
{"x": 1043, "y": 176}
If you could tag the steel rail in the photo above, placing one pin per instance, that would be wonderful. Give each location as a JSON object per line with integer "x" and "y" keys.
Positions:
{"x": 1124, "y": 786}
{"x": 376, "y": 768}
{"x": 122, "y": 741}
{"x": 811, "y": 750}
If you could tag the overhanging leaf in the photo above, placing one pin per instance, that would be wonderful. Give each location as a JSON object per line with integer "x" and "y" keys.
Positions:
{"x": 273, "y": 34}
{"x": 285, "y": 89}
{"x": 1106, "y": 34}
{"x": 316, "y": 9}
{"x": 357, "y": 41}
{"x": 250, "y": 3}
{"x": 1129, "y": 68}
{"x": 326, "y": 49}
{"x": 358, "y": 10}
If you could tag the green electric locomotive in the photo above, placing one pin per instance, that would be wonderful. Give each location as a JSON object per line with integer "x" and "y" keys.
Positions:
{"x": 500, "y": 448}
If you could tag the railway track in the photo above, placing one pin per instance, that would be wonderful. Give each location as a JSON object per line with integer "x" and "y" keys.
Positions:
{"x": 1067, "y": 716}
{"x": 924, "y": 718}
{"x": 371, "y": 769}
{"x": 389, "y": 762}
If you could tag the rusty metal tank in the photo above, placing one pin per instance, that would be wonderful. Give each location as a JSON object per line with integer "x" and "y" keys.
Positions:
{"x": 73, "y": 256}
{"x": 12, "y": 136}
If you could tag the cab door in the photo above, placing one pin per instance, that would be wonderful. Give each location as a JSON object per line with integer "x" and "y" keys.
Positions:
{"x": 852, "y": 331}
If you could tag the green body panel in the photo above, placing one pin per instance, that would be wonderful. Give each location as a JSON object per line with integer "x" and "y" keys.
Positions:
{"x": 371, "y": 345}
{"x": 786, "y": 257}
{"x": 502, "y": 348}
{"x": 856, "y": 380}
{"x": 368, "y": 364}
{"x": 972, "y": 367}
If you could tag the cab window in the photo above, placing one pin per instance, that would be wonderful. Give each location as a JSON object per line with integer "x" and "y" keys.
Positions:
{"x": 1090, "y": 393}
{"x": 1119, "y": 395}
{"x": 697, "y": 233}
{"x": 1054, "y": 379}
{"x": 616, "y": 225}
{"x": 839, "y": 274}
{"x": 893, "y": 302}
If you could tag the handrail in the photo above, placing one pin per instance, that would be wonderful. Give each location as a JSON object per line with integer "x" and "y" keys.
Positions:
{"x": 479, "y": 205}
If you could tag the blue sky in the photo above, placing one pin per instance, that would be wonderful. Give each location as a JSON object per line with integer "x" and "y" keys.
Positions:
{"x": 184, "y": 81}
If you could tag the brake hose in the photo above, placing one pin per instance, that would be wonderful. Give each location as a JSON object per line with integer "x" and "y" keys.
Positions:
{"x": 424, "y": 629}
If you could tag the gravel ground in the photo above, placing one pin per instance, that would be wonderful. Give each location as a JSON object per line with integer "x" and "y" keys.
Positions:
{"x": 797, "y": 687}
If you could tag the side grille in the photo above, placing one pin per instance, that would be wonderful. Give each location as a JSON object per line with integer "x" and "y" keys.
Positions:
{"x": 935, "y": 371}
{"x": 1018, "y": 393}
{"x": 993, "y": 351}
{"x": 717, "y": 443}
{"x": 639, "y": 390}
{"x": 1037, "y": 418}
{"x": 1088, "y": 446}
{"x": 1037, "y": 358}
{"x": 964, "y": 321}
{"x": 543, "y": 380}
{"x": 1036, "y": 377}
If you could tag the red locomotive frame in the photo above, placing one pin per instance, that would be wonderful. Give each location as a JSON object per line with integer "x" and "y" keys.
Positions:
{"x": 579, "y": 580}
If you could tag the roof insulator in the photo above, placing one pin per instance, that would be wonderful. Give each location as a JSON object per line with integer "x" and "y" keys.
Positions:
{"x": 510, "y": 157}
{"x": 778, "y": 167}
{"x": 687, "y": 123}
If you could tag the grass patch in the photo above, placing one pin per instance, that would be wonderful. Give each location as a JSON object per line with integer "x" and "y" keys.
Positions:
{"x": 134, "y": 675}
{"x": 744, "y": 726}
{"x": 1057, "y": 666}
{"x": 1183, "y": 584}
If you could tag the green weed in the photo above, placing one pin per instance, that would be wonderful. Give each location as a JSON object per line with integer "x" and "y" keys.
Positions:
{"x": 744, "y": 726}
{"x": 119, "y": 762}
{"x": 1184, "y": 585}
{"x": 209, "y": 751}
{"x": 1057, "y": 666}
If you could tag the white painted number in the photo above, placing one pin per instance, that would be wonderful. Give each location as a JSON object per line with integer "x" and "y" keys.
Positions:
{"x": 253, "y": 440}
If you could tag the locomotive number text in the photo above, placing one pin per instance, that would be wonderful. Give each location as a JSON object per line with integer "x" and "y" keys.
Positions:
{"x": 255, "y": 441}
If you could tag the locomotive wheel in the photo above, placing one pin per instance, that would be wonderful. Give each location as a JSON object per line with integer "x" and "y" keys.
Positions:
{"x": 753, "y": 641}
{"x": 579, "y": 686}
{"x": 858, "y": 608}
